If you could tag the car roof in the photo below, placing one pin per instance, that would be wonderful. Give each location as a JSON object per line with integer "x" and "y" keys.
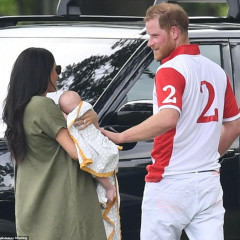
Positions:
{"x": 83, "y": 30}
{"x": 106, "y": 27}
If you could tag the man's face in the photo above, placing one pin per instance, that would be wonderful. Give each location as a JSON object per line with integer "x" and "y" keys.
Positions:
{"x": 160, "y": 40}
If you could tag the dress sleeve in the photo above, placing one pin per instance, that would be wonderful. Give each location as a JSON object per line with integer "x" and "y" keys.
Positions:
{"x": 49, "y": 119}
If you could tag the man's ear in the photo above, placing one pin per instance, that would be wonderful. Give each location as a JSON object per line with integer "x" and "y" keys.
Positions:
{"x": 174, "y": 31}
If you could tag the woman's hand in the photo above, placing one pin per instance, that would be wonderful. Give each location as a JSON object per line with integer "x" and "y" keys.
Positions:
{"x": 86, "y": 119}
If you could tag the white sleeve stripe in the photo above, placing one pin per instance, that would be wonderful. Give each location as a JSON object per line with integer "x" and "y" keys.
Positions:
{"x": 170, "y": 106}
{"x": 231, "y": 118}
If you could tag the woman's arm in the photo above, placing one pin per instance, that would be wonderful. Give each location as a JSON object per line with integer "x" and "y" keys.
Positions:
{"x": 64, "y": 139}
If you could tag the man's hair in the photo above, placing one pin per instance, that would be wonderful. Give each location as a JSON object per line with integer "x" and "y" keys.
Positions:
{"x": 169, "y": 15}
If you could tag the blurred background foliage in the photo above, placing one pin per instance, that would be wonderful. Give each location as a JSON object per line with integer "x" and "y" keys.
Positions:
{"x": 27, "y": 7}
{"x": 38, "y": 7}
{"x": 206, "y": 9}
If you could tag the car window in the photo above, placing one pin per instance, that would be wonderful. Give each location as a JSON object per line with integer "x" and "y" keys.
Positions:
{"x": 213, "y": 52}
{"x": 88, "y": 65}
{"x": 91, "y": 74}
{"x": 143, "y": 88}
{"x": 235, "y": 52}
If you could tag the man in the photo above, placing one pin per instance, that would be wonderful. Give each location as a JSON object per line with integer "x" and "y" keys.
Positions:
{"x": 192, "y": 101}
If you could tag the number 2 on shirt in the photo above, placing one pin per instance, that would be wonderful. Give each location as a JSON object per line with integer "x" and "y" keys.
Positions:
{"x": 211, "y": 93}
{"x": 203, "y": 118}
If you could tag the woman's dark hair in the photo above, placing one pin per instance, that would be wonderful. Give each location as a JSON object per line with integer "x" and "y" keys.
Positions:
{"x": 30, "y": 77}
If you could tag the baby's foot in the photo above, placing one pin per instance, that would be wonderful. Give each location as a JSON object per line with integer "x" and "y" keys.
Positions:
{"x": 110, "y": 192}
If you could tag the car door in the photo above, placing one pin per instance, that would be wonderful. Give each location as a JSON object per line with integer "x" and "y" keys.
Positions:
{"x": 230, "y": 170}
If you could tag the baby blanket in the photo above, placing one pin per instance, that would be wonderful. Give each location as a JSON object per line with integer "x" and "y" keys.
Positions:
{"x": 98, "y": 156}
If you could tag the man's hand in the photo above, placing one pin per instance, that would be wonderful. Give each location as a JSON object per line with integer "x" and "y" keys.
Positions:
{"x": 152, "y": 127}
{"x": 115, "y": 137}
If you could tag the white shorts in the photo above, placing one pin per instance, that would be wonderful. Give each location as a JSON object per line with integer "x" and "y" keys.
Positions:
{"x": 192, "y": 202}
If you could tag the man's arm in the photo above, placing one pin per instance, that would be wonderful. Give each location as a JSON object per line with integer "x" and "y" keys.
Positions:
{"x": 230, "y": 131}
{"x": 154, "y": 126}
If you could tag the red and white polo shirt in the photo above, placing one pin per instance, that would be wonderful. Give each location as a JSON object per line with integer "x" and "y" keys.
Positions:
{"x": 200, "y": 90}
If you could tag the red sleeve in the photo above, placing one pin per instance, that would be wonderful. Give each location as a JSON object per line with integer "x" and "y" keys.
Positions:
{"x": 170, "y": 85}
{"x": 230, "y": 106}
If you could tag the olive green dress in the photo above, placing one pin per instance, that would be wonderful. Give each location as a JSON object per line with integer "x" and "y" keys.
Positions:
{"x": 55, "y": 200}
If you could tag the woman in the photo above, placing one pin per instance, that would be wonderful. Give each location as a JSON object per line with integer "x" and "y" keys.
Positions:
{"x": 54, "y": 198}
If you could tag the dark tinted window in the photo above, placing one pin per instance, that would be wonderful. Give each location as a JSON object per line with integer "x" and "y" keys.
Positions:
{"x": 91, "y": 75}
{"x": 88, "y": 64}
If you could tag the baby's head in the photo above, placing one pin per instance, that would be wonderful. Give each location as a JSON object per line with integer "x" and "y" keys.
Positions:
{"x": 68, "y": 101}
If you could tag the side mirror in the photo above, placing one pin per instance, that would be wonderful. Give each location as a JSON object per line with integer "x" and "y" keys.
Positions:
{"x": 135, "y": 112}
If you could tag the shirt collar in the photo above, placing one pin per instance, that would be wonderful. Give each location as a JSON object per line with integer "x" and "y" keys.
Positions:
{"x": 190, "y": 49}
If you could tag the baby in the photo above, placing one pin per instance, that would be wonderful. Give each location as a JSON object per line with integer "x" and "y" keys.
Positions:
{"x": 91, "y": 144}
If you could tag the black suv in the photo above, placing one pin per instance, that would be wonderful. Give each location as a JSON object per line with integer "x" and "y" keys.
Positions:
{"x": 106, "y": 60}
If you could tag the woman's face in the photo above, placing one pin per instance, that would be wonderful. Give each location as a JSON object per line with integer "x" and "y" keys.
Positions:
{"x": 53, "y": 80}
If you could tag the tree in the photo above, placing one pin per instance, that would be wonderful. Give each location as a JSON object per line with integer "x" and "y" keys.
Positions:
{"x": 36, "y": 7}
{"x": 205, "y": 9}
